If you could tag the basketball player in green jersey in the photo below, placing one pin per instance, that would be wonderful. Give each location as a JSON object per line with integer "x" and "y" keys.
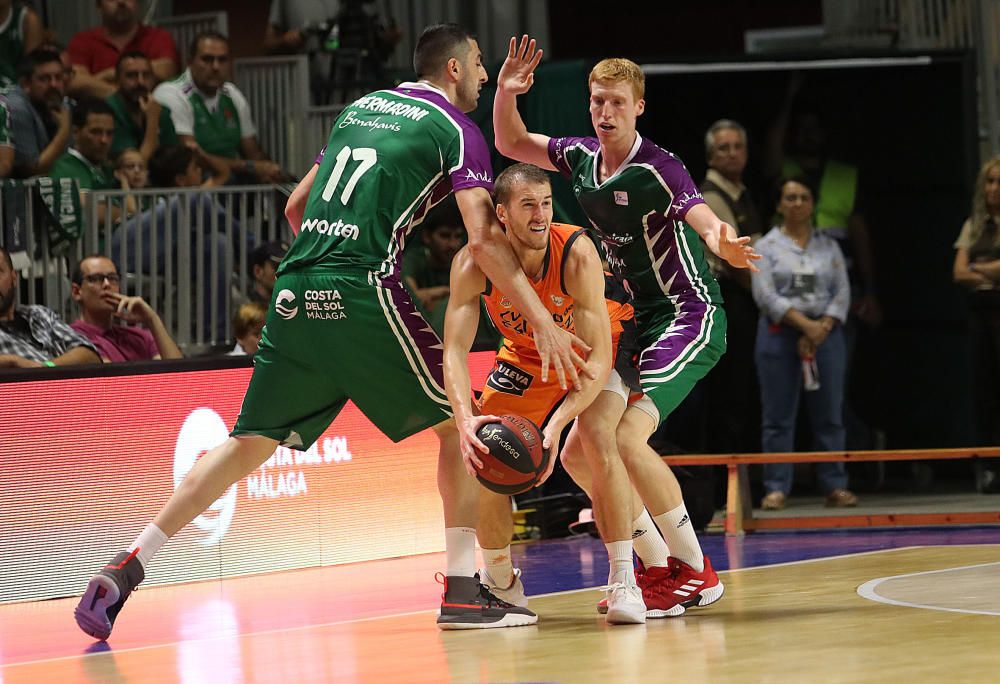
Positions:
{"x": 649, "y": 216}
{"x": 342, "y": 326}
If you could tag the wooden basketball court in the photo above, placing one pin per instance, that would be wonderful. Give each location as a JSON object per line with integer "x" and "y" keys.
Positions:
{"x": 918, "y": 613}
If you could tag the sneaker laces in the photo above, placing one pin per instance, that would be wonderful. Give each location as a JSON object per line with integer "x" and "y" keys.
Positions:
{"x": 492, "y": 601}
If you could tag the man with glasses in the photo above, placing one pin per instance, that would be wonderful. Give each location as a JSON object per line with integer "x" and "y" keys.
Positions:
{"x": 140, "y": 121}
{"x": 212, "y": 113}
{"x": 33, "y": 336}
{"x": 103, "y": 308}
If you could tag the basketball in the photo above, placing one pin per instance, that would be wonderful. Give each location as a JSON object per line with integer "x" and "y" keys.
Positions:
{"x": 516, "y": 459}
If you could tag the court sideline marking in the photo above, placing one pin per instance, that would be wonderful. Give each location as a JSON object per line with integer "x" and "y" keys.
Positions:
{"x": 868, "y": 591}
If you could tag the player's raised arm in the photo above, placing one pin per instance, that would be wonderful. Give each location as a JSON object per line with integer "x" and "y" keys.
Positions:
{"x": 460, "y": 322}
{"x": 585, "y": 284}
{"x": 516, "y": 78}
{"x": 492, "y": 253}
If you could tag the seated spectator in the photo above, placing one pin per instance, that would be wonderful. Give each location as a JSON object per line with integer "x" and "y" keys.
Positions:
{"x": 33, "y": 336}
{"x": 803, "y": 294}
{"x": 95, "y": 52}
{"x": 185, "y": 166}
{"x": 96, "y": 288}
{"x": 211, "y": 112}
{"x": 140, "y": 121}
{"x": 427, "y": 266}
{"x": 977, "y": 268}
{"x": 161, "y": 226}
{"x": 264, "y": 263}
{"x": 248, "y": 325}
{"x": 87, "y": 160}
{"x": 6, "y": 142}
{"x": 132, "y": 173}
{"x": 39, "y": 119}
{"x": 21, "y": 31}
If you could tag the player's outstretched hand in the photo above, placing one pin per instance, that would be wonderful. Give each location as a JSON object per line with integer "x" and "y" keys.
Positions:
{"x": 469, "y": 442}
{"x": 559, "y": 348}
{"x": 518, "y": 71}
{"x": 550, "y": 444}
{"x": 737, "y": 252}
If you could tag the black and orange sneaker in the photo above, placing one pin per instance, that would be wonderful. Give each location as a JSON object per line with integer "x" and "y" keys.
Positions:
{"x": 106, "y": 594}
{"x": 468, "y": 604}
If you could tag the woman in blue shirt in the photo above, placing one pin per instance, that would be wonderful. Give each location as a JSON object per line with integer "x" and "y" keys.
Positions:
{"x": 803, "y": 295}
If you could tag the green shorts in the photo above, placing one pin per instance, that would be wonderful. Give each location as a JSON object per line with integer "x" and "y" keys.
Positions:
{"x": 678, "y": 350}
{"x": 330, "y": 338}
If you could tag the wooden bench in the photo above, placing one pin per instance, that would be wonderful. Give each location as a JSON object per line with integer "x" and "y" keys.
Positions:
{"x": 739, "y": 508}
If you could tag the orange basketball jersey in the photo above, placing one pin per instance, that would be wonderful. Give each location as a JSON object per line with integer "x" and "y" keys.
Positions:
{"x": 551, "y": 290}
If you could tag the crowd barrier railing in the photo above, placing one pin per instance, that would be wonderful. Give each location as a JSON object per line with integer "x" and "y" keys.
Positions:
{"x": 184, "y": 250}
{"x": 185, "y": 27}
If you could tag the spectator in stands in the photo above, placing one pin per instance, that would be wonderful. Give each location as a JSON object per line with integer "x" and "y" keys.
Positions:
{"x": 6, "y": 142}
{"x": 87, "y": 160}
{"x": 264, "y": 262}
{"x": 33, "y": 336}
{"x": 732, "y": 386}
{"x": 176, "y": 166}
{"x": 21, "y": 31}
{"x": 97, "y": 289}
{"x": 39, "y": 118}
{"x": 140, "y": 121}
{"x": 211, "y": 112}
{"x": 248, "y": 325}
{"x": 186, "y": 166}
{"x": 803, "y": 294}
{"x": 132, "y": 173}
{"x": 427, "y": 266}
{"x": 95, "y": 52}
{"x": 977, "y": 267}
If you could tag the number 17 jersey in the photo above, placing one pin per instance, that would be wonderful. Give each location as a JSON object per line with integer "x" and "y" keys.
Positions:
{"x": 391, "y": 156}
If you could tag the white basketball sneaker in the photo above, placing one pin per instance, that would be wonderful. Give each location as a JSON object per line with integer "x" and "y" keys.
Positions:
{"x": 514, "y": 594}
{"x": 625, "y": 604}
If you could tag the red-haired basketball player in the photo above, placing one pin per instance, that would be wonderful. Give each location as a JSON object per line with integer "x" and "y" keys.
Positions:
{"x": 565, "y": 270}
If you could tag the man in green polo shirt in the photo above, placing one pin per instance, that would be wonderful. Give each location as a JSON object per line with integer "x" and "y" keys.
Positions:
{"x": 209, "y": 110}
{"x": 140, "y": 121}
{"x": 87, "y": 160}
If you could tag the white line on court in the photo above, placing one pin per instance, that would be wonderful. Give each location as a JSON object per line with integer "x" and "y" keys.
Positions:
{"x": 868, "y": 591}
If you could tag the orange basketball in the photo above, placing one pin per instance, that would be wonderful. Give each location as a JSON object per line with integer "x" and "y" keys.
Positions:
{"x": 516, "y": 459}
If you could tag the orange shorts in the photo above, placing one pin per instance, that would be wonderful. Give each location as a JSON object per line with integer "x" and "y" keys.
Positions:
{"x": 515, "y": 386}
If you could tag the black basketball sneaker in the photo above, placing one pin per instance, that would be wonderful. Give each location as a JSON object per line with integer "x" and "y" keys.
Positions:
{"x": 106, "y": 594}
{"x": 468, "y": 604}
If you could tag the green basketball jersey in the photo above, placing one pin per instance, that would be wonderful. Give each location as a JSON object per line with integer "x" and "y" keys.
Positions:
{"x": 391, "y": 156}
{"x": 638, "y": 214}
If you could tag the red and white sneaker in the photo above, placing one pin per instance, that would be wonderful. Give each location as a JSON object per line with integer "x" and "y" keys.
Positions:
{"x": 669, "y": 591}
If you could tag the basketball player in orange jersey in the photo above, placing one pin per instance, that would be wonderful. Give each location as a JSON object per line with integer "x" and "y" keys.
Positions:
{"x": 565, "y": 270}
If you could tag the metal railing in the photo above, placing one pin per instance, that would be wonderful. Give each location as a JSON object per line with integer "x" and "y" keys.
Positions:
{"x": 277, "y": 89}
{"x": 185, "y": 27}
{"x": 186, "y": 253}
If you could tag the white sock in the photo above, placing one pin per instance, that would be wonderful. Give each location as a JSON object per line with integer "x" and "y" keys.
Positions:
{"x": 149, "y": 541}
{"x": 679, "y": 533}
{"x": 620, "y": 562}
{"x": 499, "y": 566}
{"x": 460, "y": 547}
{"x": 648, "y": 542}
